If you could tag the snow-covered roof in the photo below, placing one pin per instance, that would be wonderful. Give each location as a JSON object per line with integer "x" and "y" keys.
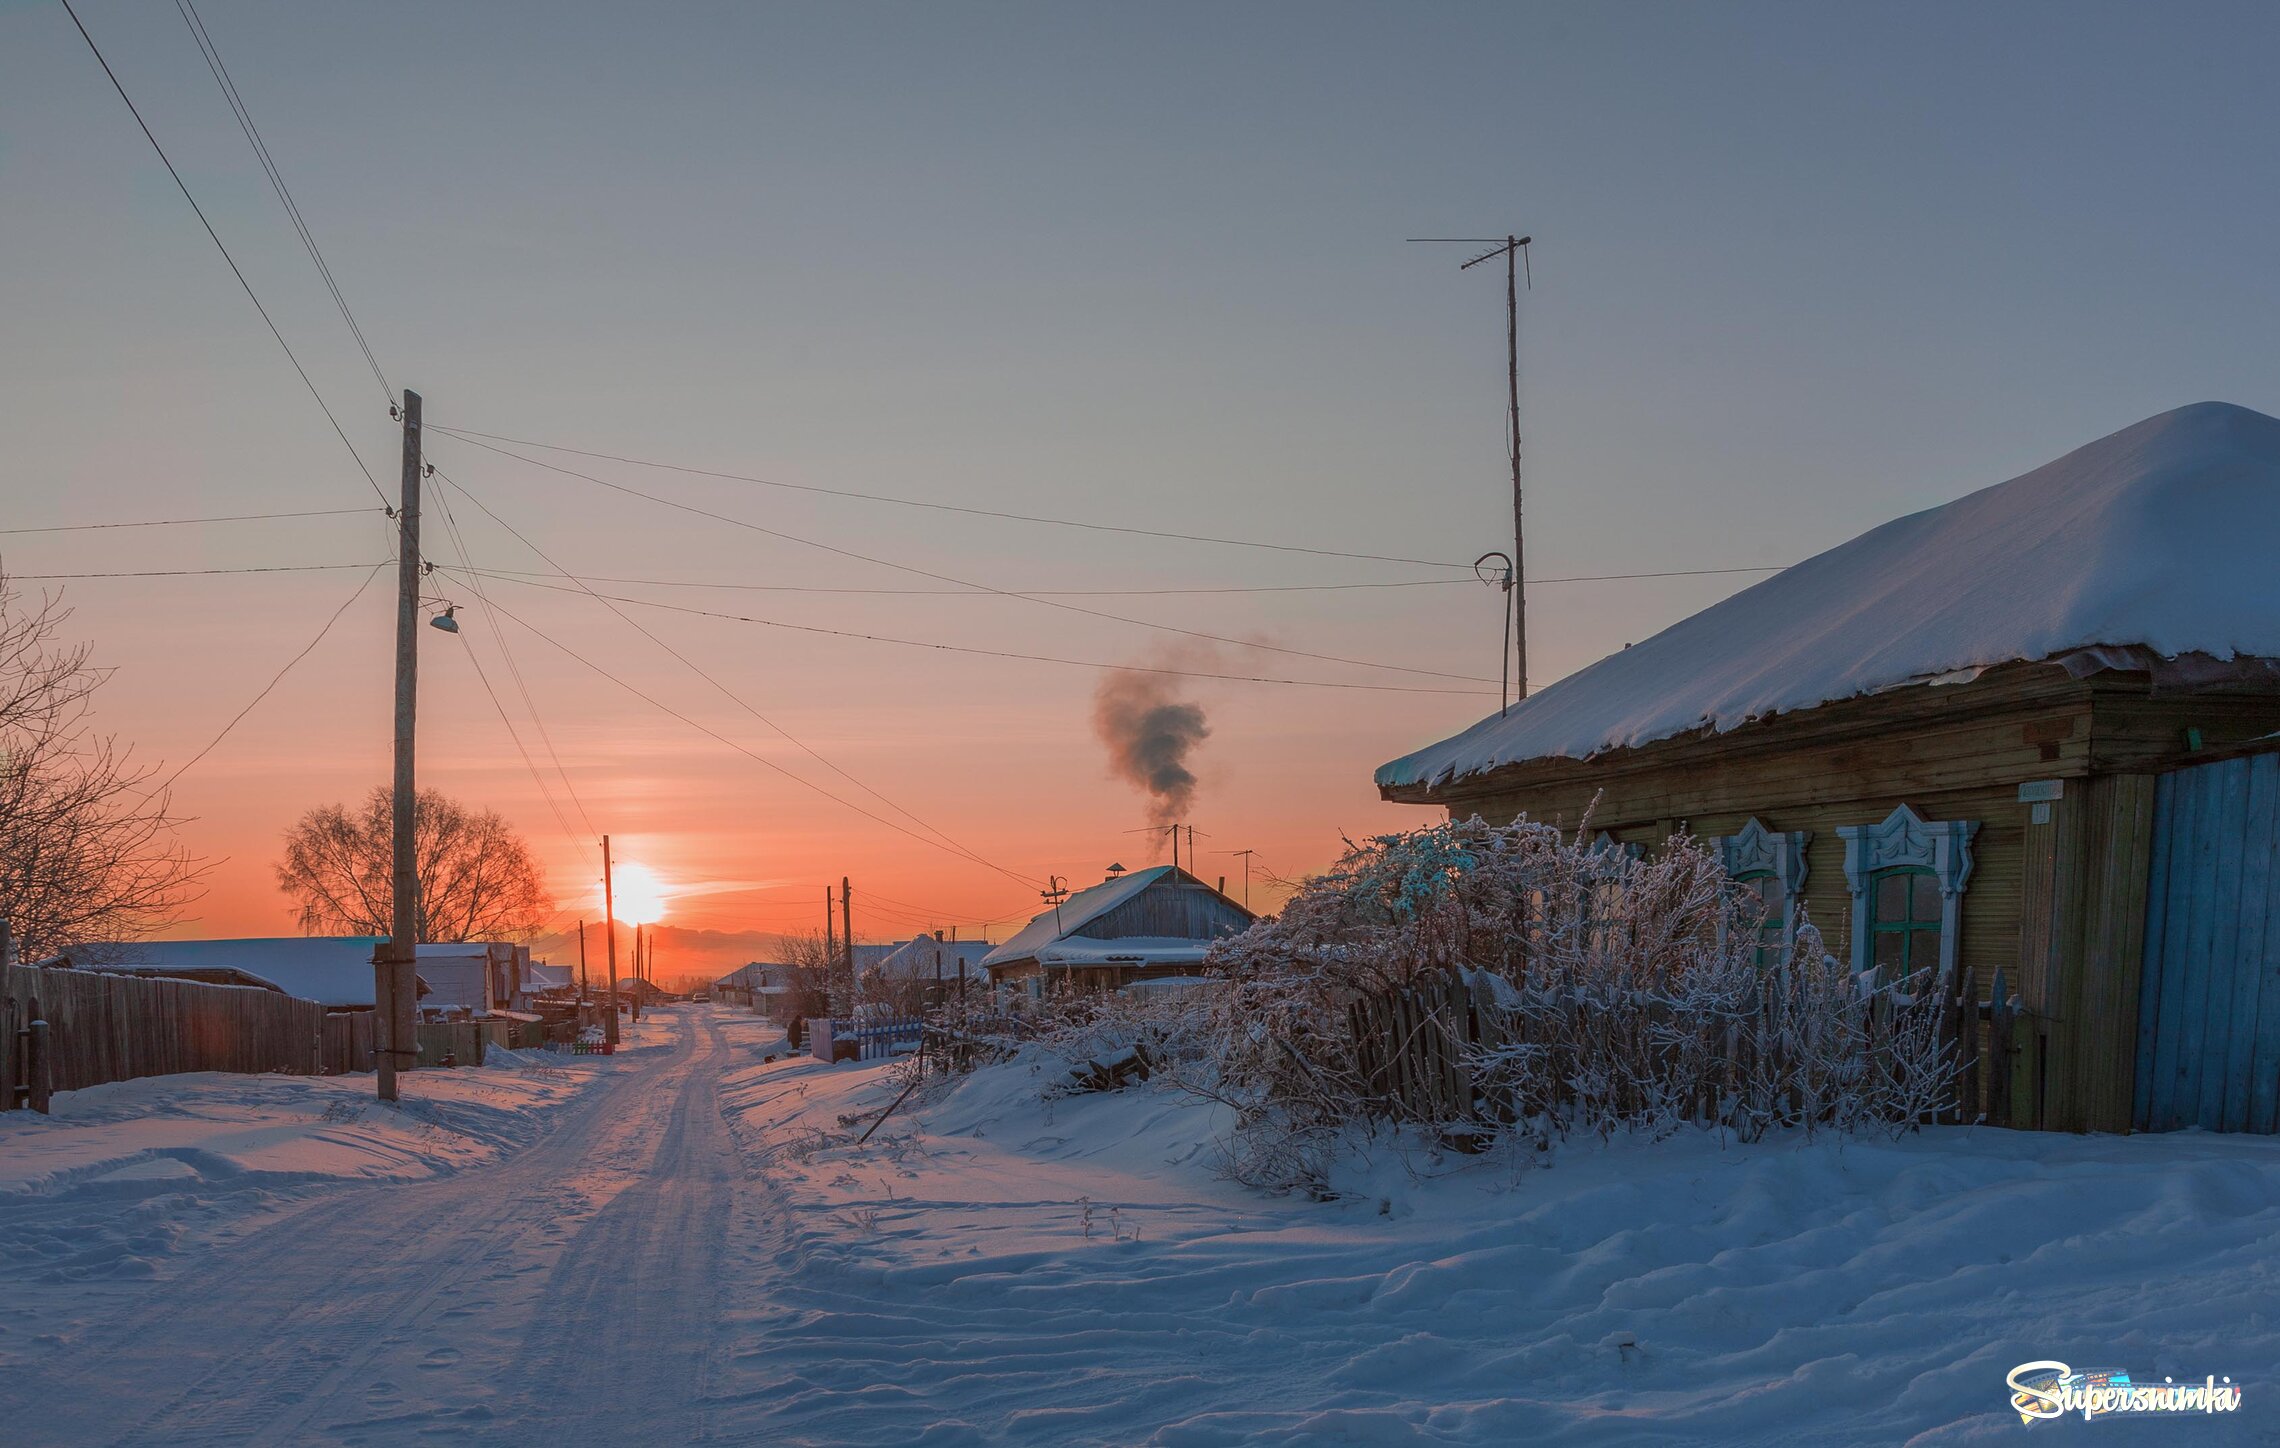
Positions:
{"x": 538, "y": 975}
{"x": 918, "y": 956}
{"x": 332, "y": 970}
{"x": 1075, "y": 913}
{"x": 2162, "y": 536}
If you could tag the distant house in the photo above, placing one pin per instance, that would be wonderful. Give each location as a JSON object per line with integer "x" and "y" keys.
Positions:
{"x": 467, "y": 976}
{"x": 334, "y": 971}
{"x": 931, "y": 958}
{"x": 2031, "y": 732}
{"x": 1151, "y": 923}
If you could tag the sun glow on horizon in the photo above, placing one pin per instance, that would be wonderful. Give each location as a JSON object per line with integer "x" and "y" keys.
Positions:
{"x": 640, "y": 895}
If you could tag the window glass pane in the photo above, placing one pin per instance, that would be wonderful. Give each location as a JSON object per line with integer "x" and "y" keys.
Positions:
{"x": 1927, "y": 898}
{"x": 1892, "y": 950}
{"x": 1774, "y": 893}
{"x": 1891, "y": 898}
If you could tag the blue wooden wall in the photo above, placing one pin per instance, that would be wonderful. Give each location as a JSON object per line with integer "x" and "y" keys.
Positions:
{"x": 2209, "y": 1011}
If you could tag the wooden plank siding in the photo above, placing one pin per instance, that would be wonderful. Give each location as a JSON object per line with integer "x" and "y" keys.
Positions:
{"x": 2210, "y": 1056}
{"x": 1169, "y": 909}
{"x": 2129, "y": 869}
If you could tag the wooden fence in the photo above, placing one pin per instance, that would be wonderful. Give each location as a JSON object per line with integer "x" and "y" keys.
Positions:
{"x": 1416, "y": 1050}
{"x": 103, "y": 1027}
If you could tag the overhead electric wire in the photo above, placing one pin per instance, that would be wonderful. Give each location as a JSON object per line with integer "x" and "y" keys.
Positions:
{"x": 215, "y": 236}
{"x": 748, "y": 753}
{"x": 994, "y": 653}
{"x": 729, "y": 693}
{"x": 197, "y": 572}
{"x": 969, "y": 593}
{"x": 186, "y": 522}
{"x": 968, "y": 583}
{"x": 266, "y": 689}
{"x": 577, "y": 842}
{"x": 511, "y": 574}
{"x": 469, "y": 434}
{"x": 222, "y": 77}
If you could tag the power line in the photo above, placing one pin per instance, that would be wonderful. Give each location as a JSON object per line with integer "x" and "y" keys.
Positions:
{"x": 186, "y": 522}
{"x": 577, "y": 842}
{"x": 266, "y": 689}
{"x": 978, "y": 587}
{"x": 511, "y": 574}
{"x": 724, "y": 690}
{"x": 989, "y": 653}
{"x": 200, "y": 572}
{"x": 221, "y": 73}
{"x": 235, "y": 270}
{"x": 469, "y": 435}
{"x": 756, "y": 758}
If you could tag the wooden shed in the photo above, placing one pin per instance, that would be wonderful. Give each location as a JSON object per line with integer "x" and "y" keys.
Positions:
{"x": 1149, "y": 924}
{"x": 2029, "y": 736}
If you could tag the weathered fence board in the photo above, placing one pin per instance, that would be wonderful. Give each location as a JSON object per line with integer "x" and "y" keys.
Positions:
{"x": 104, "y": 1027}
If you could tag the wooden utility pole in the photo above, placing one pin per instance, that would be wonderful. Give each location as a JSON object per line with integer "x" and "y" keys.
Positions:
{"x": 609, "y": 909}
{"x": 847, "y": 939}
{"x": 1512, "y": 246}
{"x": 1514, "y": 250}
{"x": 638, "y": 978}
{"x": 394, "y": 982}
{"x": 582, "y": 962}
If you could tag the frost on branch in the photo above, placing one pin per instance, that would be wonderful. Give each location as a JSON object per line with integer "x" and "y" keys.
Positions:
{"x": 1478, "y": 979}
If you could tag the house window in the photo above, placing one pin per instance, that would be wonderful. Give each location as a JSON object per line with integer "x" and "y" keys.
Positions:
{"x": 1905, "y": 917}
{"x": 1773, "y": 923}
{"x": 1771, "y": 866}
{"x": 1907, "y": 877}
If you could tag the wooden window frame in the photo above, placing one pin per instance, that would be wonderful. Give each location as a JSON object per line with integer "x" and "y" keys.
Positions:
{"x": 1905, "y": 839}
{"x": 1755, "y": 852}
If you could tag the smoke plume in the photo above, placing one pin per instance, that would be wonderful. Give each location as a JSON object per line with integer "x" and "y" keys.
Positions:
{"x": 1149, "y": 735}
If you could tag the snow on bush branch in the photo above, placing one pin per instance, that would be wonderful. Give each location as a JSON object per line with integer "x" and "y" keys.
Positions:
{"x": 1598, "y": 993}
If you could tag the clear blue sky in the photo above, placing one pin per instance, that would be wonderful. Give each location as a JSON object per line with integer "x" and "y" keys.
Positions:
{"x": 1799, "y": 269}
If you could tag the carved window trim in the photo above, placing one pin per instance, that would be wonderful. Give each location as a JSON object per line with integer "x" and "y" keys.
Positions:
{"x": 1755, "y": 850}
{"x": 1906, "y": 840}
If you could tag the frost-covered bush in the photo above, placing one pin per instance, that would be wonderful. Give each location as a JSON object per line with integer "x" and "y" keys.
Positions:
{"x": 1478, "y": 979}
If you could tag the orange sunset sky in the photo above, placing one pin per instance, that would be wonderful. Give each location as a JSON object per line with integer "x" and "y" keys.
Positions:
{"x": 1061, "y": 262}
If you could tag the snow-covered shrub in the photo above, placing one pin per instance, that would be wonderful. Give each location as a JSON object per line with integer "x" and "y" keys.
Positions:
{"x": 1475, "y": 978}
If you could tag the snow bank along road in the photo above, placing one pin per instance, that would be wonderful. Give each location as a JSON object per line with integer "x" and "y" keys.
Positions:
{"x": 565, "y": 1292}
{"x": 683, "y": 1243}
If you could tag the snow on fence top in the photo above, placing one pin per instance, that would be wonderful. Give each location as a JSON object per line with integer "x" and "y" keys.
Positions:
{"x": 2162, "y": 536}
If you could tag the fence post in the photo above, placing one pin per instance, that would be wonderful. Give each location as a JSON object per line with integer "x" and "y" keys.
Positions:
{"x": 37, "y": 1076}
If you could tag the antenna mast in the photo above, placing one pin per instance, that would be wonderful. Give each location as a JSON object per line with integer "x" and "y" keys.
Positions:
{"x": 1514, "y": 250}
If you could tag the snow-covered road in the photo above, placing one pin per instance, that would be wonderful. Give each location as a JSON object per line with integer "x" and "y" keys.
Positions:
{"x": 687, "y": 1243}
{"x": 563, "y": 1294}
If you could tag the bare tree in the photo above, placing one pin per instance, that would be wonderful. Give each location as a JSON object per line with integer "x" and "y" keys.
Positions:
{"x": 87, "y": 844}
{"x": 812, "y": 965}
{"x": 477, "y": 878}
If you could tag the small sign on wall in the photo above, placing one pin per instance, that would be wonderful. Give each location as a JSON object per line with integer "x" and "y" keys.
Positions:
{"x": 2041, "y": 791}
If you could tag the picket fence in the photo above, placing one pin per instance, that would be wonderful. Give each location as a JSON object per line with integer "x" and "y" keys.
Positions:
{"x": 103, "y": 1027}
{"x": 1413, "y": 1047}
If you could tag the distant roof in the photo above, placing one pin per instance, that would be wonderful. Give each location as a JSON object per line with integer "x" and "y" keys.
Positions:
{"x": 2160, "y": 536}
{"x": 1075, "y": 913}
{"x": 333, "y": 970}
{"x": 919, "y": 955}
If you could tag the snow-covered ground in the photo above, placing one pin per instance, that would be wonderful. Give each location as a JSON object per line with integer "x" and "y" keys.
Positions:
{"x": 990, "y": 1269}
{"x": 682, "y": 1243}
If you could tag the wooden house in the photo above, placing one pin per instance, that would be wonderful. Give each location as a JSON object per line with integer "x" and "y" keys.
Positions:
{"x": 1148, "y": 924}
{"x": 2028, "y": 736}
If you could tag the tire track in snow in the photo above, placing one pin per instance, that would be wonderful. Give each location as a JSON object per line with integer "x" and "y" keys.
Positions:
{"x": 388, "y": 1313}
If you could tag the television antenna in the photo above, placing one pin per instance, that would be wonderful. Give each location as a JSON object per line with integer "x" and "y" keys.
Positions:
{"x": 1514, "y": 250}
